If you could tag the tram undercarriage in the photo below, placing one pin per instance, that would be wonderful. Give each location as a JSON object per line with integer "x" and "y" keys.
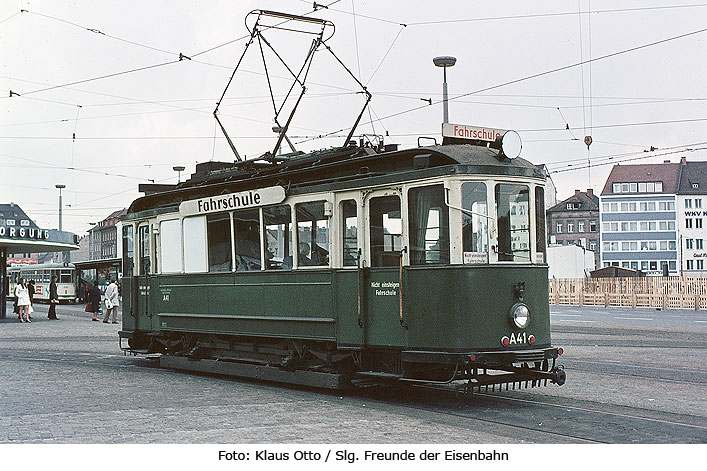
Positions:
{"x": 321, "y": 364}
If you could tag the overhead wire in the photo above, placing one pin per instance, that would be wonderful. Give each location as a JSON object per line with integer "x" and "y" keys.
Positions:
{"x": 97, "y": 31}
{"x": 358, "y": 61}
{"x": 630, "y": 159}
{"x": 645, "y": 150}
{"x": 515, "y": 17}
{"x": 76, "y": 169}
{"x": 547, "y": 72}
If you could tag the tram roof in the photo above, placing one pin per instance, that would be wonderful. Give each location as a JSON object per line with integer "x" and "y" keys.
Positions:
{"x": 339, "y": 168}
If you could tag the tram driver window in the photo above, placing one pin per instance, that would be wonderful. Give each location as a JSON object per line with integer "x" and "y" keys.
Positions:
{"x": 246, "y": 226}
{"x": 429, "y": 225}
{"x": 540, "y": 224}
{"x": 312, "y": 235}
{"x": 277, "y": 222}
{"x": 475, "y": 224}
{"x": 218, "y": 234}
{"x": 144, "y": 250}
{"x": 128, "y": 243}
{"x": 513, "y": 223}
{"x": 349, "y": 231}
{"x": 386, "y": 231}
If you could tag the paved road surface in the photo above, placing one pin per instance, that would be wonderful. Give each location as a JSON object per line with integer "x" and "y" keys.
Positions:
{"x": 633, "y": 377}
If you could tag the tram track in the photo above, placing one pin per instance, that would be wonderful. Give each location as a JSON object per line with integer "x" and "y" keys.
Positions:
{"x": 547, "y": 420}
{"x": 678, "y": 375}
{"x": 565, "y": 420}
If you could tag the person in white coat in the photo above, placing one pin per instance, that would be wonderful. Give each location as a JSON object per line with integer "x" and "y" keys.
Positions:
{"x": 112, "y": 302}
{"x": 23, "y": 303}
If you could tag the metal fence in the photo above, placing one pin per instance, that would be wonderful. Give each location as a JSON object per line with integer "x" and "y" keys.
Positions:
{"x": 660, "y": 292}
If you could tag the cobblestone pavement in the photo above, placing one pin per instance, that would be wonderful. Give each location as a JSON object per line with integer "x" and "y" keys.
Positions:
{"x": 66, "y": 381}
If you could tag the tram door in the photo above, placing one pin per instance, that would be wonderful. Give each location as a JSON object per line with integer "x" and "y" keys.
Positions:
{"x": 143, "y": 309}
{"x": 384, "y": 228}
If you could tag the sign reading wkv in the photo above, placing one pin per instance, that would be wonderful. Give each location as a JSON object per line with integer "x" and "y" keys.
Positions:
{"x": 461, "y": 131}
{"x": 233, "y": 201}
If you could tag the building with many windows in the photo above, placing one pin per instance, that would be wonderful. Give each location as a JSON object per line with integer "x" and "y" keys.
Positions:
{"x": 575, "y": 221}
{"x": 692, "y": 217}
{"x": 638, "y": 218}
{"x": 103, "y": 237}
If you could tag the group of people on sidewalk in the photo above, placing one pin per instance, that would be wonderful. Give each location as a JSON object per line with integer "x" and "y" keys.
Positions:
{"x": 24, "y": 300}
{"x": 112, "y": 301}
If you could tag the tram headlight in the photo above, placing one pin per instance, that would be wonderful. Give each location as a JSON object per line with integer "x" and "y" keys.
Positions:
{"x": 520, "y": 315}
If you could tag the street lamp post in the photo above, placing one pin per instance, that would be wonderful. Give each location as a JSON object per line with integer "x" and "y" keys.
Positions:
{"x": 60, "y": 187}
{"x": 179, "y": 169}
{"x": 444, "y": 62}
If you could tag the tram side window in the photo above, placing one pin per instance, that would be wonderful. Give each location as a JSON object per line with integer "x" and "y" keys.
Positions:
{"x": 540, "y": 224}
{"x": 128, "y": 246}
{"x": 247, "y": 229}
{"x": 218, "y": 236}
{"x": 171, "y": 246}
{"x": 277, "y": 222}
{"x": 349, "y": 231}
{"x": 429, "y": 225}
{"x": 194, "y": 237}
{"x": 475, "y": 224}
{"x": 143, "y": 233}
{"x": 386, "y": 231}
{"x": 513, "y": 223}
{"x": 312, "y": 235}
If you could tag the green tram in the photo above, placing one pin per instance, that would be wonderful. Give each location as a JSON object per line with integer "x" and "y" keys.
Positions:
{"x": 359, "y": 263}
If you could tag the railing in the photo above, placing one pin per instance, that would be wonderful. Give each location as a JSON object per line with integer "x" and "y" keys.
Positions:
{"x": 659, "y": 292}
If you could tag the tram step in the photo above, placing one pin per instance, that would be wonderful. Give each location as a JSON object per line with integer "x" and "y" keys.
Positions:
{"x": 248, "y": 370}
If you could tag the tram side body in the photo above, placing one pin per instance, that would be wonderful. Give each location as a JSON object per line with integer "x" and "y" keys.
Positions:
{"x": 424, "y": 323}
{"x": 448, "y": 309}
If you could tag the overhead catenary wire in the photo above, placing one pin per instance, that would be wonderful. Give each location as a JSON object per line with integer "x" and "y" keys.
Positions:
{"x": 547, "y": 72}
{"x": 101, "y": 77}
{"x": 643, "y": 157}
{"x": 97, "y": 31}
{"x": 332, "y": 135}
{"x": 70, "y": 168}
{"x": 644, "y": 151}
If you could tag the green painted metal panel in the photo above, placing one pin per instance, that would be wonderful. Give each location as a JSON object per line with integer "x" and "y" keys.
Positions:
{"x": 467, "y": 308}
{"x": 278, "y": 304}
{"x": 451, "y": 308}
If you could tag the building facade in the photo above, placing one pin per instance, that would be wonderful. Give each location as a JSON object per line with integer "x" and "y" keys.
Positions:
{"x": 575, "y": 221}
{"x": 103, "y": 237}
{"x": 639, "y": 218}
{"x": 692, "y": 217}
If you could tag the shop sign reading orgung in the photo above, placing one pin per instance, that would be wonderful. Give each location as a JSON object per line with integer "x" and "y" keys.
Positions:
{"x": 233, "y": 201}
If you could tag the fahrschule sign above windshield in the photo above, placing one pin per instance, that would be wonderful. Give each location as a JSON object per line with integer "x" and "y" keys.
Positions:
{"x": 233, "y": 201}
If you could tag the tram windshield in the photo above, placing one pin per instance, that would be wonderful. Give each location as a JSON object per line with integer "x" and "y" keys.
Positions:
{"x": 512, "y": 204}
{"x": 475, "y": 223}
{"x": 429, "y": 225}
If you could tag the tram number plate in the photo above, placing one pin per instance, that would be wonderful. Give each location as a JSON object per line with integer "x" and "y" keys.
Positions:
{"x": 520, "y": 339}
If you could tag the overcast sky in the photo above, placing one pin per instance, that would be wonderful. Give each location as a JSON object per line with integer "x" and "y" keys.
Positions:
{"x": 134, "y": 127}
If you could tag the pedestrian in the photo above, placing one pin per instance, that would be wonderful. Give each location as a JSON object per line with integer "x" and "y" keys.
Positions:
{"x": 112, "y": 302}
{"x": 94, "y": 297}
{"x": 22, "y": 294}
{"x": 53, "y": 298}
{"x": 30, "y": 288}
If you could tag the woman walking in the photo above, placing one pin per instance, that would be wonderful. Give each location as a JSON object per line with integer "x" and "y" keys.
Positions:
{"x": 94, "y": 296}
{"x": 23, "y": 303}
